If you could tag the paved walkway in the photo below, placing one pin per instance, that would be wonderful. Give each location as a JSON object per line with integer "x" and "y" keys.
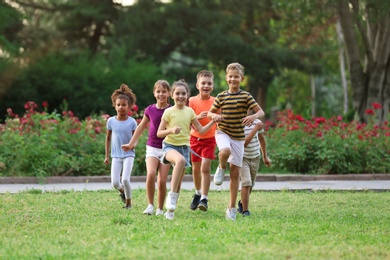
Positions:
{"x": 358, "y": 182}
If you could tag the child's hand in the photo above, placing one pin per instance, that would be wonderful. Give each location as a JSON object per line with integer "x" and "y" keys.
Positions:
{"x": 259, "y": 126}
{"x": 202, "y": 115}
{"x": 248, "y": 120}
{"x": 127, "y": 147}
{"x": 217, "y": 118}
{"x": 107, "y": 160}
{"x": 267, "y": 161}
{"x": 176, "y": 130}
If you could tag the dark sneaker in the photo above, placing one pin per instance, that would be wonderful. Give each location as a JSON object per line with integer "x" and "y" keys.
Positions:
{"x": 246, "y": 213}
{"x": 203, "y": 205}
{"x": 239, "y": 208}
{"x": 128, "y": 207}
{"x": 123, "y": 197}
{"x": 195, "y": 202}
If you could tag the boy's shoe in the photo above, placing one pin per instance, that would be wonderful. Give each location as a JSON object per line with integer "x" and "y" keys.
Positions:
{"x": 218, "y": 176}
{"x": 203, "y": 205}
{"x": 195, "y": 202}
{"x": 127, "y": 207}
{"x": 123, "y": 197}
{"x": 246, "y": 213}
{"x": 159, "y": 212}
{"x": 231, "y": 214}
{"x": 171, "y": 201}
{"x": 169, "y": 215}
{"x": 239, "y": 208}
{"x": 149, "y": 210}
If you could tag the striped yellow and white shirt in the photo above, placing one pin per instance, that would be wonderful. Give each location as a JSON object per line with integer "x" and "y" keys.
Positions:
{"x": 252, "y": 150}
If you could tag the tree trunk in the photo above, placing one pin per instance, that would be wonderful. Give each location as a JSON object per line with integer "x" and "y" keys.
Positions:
{"x": 259, "y": 92}
{"x": 340, "y": 39}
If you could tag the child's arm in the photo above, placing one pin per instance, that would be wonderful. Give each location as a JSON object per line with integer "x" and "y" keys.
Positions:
{"x": 248, "y": 120}
{"x": 107, "y": 147}
{"x": 134, "y": 139}
{"x": 263, "y": 146}
{"x": 252, "y": 133}
{"x": 201, "y": 129}
{"x": 163, "y": 132}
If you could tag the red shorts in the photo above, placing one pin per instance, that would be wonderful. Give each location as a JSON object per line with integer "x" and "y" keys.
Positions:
{"x": 203, "y": 147}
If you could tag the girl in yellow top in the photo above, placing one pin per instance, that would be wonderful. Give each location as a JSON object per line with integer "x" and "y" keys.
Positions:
{"x": 175, "y": 128}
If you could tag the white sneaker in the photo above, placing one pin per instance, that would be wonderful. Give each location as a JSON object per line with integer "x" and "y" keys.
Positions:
{"x": 171, "y": 201}
{"x": 169, "y": 215}
{"x": 159, "y": 212}
{"x": 231, "y": 214}
{"x": 218, "y": 176}
{"x": 149, "y": 210}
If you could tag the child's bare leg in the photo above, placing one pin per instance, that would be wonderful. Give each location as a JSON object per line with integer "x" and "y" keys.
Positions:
{"x": 151, "y": 167}
{"x": 223, "y": 156}
{"x": 179, "y": 161}
{"x": 162, "y": 184}
{"x": 234, "y": 184}
{"x": 205, "y": 171}
{"x": 245, "y": 191}
{"x": 196, "y": 175}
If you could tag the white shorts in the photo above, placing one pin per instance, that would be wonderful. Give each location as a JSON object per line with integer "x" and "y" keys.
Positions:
{"x": 153, "y": 152}
{"x": 236, "y": 147}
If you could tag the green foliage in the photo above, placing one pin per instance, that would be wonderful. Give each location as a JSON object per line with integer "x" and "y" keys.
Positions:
{"x": 85, "y": 83}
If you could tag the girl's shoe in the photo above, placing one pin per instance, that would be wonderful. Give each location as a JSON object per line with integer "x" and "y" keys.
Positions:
{"x": 128, "y": 207}
{"x": 159, "y": 212}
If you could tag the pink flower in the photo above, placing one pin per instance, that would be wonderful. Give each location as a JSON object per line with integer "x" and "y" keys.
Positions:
{"x": 135, "y": 108}
{"x": 339, "y": 118}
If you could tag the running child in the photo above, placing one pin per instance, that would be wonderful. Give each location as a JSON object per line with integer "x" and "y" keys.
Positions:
{"x": 120, "y": 129}
{"x": 152, "y": 116}
{"x": 175, "y": 129}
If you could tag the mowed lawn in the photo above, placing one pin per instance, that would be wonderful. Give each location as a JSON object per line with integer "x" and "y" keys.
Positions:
{"x": 282, "y": 225}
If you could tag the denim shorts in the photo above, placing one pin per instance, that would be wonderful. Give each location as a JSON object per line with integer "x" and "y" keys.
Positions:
{"x": 183, "y": 150}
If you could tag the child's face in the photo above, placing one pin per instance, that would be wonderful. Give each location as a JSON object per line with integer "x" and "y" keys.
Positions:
{"x": 121, "y": 106}
{"x": 180, "y": 96}
{"x": 161, "y": 94}
{"x": 234, "y": 79}
{"x": 205, "y": 85}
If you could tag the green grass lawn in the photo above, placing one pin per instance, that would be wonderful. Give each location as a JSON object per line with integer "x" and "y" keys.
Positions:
{"x": 282, "y": 225}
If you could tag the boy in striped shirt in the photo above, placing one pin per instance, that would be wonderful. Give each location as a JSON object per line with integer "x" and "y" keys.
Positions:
{"x": 250, "y": 165}
{"x": 232, "y": 105}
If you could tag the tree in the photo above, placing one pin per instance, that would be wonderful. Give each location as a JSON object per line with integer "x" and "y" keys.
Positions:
{"x": 366, "y": 29}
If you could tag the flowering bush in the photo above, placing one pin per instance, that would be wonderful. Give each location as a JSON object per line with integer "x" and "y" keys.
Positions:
{"x": 329, "y": 146}
{"x": 42, "y": 144}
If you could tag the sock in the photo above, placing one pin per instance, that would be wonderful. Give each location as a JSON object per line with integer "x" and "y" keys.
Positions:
{"x": 198, "y": 192}
{"x": 203, "y": 197}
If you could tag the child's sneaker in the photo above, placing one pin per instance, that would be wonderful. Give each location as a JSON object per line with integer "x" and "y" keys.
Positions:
{"x": 128, "y": 207}
{"x": 159, "y": 212}
{"x": 218, "y": 176}
{"x": 231, "y": 214}
{"x": 246, "y": 213}
{"x": 203, "y": 205}
{"x": 195, "y": 202}
{"x": 171, "y": 201}
{"x": 239, "y": 208}
{"x": 169, "y": 215}
{"x": 149, "y": 210}
{"x": 123, "y": 197}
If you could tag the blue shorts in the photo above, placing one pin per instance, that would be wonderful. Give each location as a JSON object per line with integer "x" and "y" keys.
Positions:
{"x": 183, "y": 150}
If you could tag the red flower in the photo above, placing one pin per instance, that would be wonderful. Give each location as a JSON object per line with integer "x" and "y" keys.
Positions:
{"x": 376, "y": 105}
{"x": 135, "y": 108}
{"x": 45, "y": 103}
{"x": 360, "y": 137}
{"x": 339, "y": 118}
{"x": 370, "y": 112}
{"x": 320, "y": 120}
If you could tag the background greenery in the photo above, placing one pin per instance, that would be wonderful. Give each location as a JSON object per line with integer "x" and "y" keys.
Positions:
{"x": 282, "y": 225}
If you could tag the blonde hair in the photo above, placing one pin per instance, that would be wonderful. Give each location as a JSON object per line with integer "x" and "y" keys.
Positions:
{"x": 204, "y": 73}
{"x": 124, "y": 92}
{"x": 236, "y": 66}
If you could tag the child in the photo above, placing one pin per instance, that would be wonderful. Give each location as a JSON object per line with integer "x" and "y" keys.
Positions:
{"x": 250, "y": 163}
{"x": 202, "y": 144}
{"x": 152, "y": 115}
{"x": 233, "y": 104}
{"x": 120, "y": 129}
{"x": 175, "y": 129}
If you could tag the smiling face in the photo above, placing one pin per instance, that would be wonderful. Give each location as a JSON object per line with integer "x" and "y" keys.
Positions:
{"x": 180, "y": 96}
{"x": 122, "y": 107}
{"x": 205, "y": 85}
{"x": 161, "y": 94}
{"x": 234, "y": 79}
